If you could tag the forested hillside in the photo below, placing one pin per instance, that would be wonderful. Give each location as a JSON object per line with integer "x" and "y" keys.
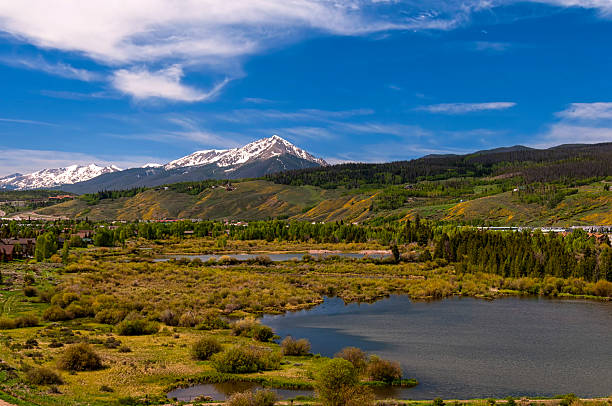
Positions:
{"x": 565, "y": 162}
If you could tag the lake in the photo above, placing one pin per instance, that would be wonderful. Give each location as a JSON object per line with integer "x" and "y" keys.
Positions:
{"x": 471, "y": 348}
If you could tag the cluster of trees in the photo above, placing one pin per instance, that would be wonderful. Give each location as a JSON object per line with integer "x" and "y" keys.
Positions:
{"x": 278, "y": 230}
{"x": 527, "y": 254}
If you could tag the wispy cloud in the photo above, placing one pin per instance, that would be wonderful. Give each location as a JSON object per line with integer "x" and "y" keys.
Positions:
{"x": 21, "y": 121}
{"x": 587, "y": 111}
{"x": 579, "y": 123}
{"x": 164, "y": 84}
{"x": 491, "y": 46}
{"x": 58, "y": 69}
{"x": 250, "y": 115}
{"x": 465, "y": 108}
{"x": 203, "y": 33}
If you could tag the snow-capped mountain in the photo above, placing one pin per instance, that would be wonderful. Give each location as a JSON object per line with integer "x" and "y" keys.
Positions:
{"x": 265, "y": 148}
{"x": 47, "y": 178}
{"x": 259, "y": 158}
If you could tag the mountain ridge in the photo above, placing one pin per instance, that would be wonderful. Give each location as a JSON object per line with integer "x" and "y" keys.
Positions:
{"x": 258, "y": 158}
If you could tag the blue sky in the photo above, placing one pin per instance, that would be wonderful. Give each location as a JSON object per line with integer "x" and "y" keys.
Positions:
{"x": 355, "y": 80}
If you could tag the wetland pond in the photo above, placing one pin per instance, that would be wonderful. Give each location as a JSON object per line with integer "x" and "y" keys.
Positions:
{"x": 465, "y": 348}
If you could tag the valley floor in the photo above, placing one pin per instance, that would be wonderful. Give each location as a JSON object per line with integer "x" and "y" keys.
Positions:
{"x": 85, "y": 300}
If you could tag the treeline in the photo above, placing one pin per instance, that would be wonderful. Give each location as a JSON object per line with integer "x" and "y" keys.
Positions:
{"x": 192, "y": 188}
{"x": 525, "y": 254}
{"x": 565, "y": 163}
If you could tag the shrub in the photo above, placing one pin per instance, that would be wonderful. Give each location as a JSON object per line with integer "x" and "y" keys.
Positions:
{"x": 295, "y": 347}
{"x": 264, "y": 398}
{"x": 240, "y": 399}
{"x": 212, "y": 321}
{"x": 124, "y": 349}
{"x": 169, "y": 318}
{"x": 260, "y": 398}
{"x": 205, "y": 348}
{"x": 337, "y": 383}
{"x": 76, "y": 310}
{"x": 110, "y": 316}
{"x": 242, "y": 359}
{"x": 243, "y": 327}
{"x": 28, "y": 320}
{"x": 355, "y": 356}
{"x": 30, "y": 291}
{"x": 43, "y": 376}
{"x": 7, "y": 324}
{"x": 138, "y": 327}
{"x": 438, "y": 402}
{"x": 603, "y": 288}
{"x": 188, "y": 319}
{"x": 112, "y": 342}
{"x": 383, "y": 370}
{"x": 262, "y": 333}
{"x": 56, "y": 313}
{"x": 64, "y": 299}
{"x": 79, "y": 357}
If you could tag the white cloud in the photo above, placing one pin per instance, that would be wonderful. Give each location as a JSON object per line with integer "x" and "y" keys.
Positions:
{"x": 211, "y": 33}
{"x": 604, "y": 6}
{"x": 164, "y": 84}
{"x": 464, "y": 108}
{"x": 563, "y": 133}
{"x": 580, "y": 123}
{"x": 587, "y": 111}
{"x": 59, "y": 69}
{"x": 21, "y": 121}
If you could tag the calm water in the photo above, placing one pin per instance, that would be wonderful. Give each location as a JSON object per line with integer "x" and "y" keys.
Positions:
{"x": 466, "y": 348}
{"x": 274, "y": 257}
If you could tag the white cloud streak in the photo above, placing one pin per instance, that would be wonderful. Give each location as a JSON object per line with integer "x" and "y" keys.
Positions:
{"x": 164, "y": 84}
{"x": 21, "y": 121}
{"x": 465, "y": 108}
{"x": 58, "y": 69}
{"x": 587, "y": 111}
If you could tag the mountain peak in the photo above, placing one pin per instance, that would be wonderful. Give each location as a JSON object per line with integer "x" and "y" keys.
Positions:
{"x": 264, "y": 148}
{"x": 47, "y": 178}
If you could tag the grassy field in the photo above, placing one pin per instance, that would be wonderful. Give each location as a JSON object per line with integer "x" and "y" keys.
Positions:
{"x": 258, "y": 199}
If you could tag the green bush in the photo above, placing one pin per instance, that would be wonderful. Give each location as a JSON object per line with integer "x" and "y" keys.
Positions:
{"x": 169, "y": 317}
{"x": 438, "y": 402}
{"x": 28, "y": 320}
{"x": 110, "y": 316}
{"x": 355, "y": 356}
{"x": 205, "y": 348}
{"x": 138, "y": 327}
{"x": 188, "y": 319}
{"x": 337, "y": 384}
{"x": 43, "y": 376}
{"x": 79, "y": 357}
{"x": 262, "y": 333}
{"x": 295, "y": 347}
{"x": 56, "y": 313}
{"x": 259, "y": 398}
{"x": 242, "y": 359}
{"x": 30, "y": 291}
{"x": 212, "y": 321}
{"x": 383, "y": 370}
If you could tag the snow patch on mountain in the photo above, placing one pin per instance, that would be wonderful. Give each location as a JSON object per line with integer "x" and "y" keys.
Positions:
{"x": 258, "y": 150}
{"x": 47, "y": 178}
